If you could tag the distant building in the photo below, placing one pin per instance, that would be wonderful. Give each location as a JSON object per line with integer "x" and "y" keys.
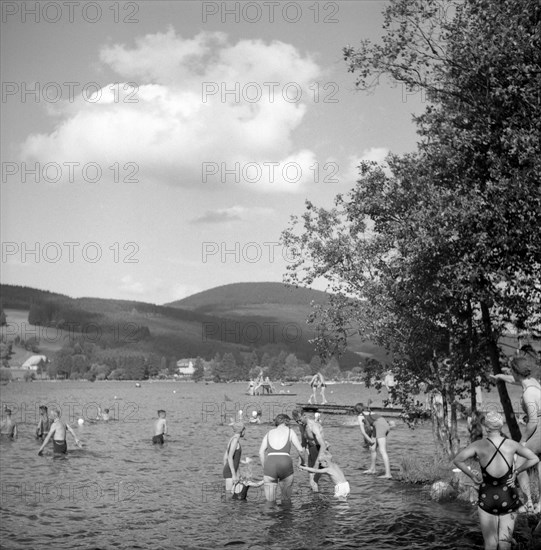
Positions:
{"x": 32, "y": 363}
{"x": 185, "y": 367}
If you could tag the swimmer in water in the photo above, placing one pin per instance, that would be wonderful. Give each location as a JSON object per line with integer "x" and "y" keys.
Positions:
{"x": 8, "y": 427}
{"x": 58, "y": 434}
{"x": 103, "y": 415}
{"x": 160, "y": 428}
{"x": 44, "y": 423}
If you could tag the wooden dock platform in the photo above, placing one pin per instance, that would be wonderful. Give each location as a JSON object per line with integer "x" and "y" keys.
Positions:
{"x": 332, "y": 408}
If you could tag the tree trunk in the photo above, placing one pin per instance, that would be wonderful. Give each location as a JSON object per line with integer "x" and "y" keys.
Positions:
{"x": 502, "y": 388}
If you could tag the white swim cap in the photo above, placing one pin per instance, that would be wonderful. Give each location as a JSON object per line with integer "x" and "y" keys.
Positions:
{"x": 80, "y": 421}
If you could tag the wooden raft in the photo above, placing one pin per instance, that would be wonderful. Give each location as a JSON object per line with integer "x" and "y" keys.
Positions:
{"x": 348, "y": 409}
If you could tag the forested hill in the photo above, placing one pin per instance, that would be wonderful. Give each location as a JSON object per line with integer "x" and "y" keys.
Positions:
{"x": 245, "y": 294}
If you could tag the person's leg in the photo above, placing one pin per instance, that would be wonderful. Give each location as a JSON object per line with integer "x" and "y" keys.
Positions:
{"x": 524, "y": 483}
{"x": 489, "y": 528}
{"x": 228, "y": 484}
{"x": 323, "y": 398}
{"x": 270, "y": 485}
{"x": 373, "y": 456}
{"x": 382, "y": 445}
{"x": 313, "y": 396}
{"x": 505, "y": 531}
{"x": 286, "y": 488}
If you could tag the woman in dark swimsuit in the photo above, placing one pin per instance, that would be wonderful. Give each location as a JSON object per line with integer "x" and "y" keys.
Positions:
{"x": 232, "y": 457}
{"x": 276, "y": 460}
{"x": 498, "y": 497}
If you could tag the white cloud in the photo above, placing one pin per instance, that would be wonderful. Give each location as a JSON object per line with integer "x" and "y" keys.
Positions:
{"x": 234, "y": 213}
{"x": 130, "y": 286}
{"x": 189, "y": 102}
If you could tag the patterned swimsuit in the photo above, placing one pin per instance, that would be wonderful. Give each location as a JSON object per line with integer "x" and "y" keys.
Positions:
{"x": 495, "y": 496}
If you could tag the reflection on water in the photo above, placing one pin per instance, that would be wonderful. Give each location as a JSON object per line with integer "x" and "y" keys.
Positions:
{"x": 121, "y": 492}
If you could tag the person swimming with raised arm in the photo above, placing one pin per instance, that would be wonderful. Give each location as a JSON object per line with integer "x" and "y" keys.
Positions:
{"x": 160, "y": 428}
{"x": 58, "y": 434}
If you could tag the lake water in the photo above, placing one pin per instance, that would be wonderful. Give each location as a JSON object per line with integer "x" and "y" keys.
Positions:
{"x": 121, "y": 492}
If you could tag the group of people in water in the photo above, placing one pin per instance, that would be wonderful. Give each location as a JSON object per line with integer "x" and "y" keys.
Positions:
{"x": 313, "y": 452}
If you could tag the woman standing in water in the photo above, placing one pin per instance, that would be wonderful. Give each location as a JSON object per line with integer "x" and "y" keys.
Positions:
{"x": 521, "y": 375}
{"x": 498, "y": 497}
{"x": 276, "y": 460}
{"x": 232, "y": 456}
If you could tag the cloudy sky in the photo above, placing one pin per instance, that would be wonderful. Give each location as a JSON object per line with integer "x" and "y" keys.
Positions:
{"x": 151, "y": 150}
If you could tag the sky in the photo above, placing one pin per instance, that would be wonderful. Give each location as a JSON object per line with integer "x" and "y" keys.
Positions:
{"x": 151, "y": 150}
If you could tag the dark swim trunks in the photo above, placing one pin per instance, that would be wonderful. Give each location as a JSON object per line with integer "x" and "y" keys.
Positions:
{"x": 60, "y": 447}
{"x": 158, "y": 439}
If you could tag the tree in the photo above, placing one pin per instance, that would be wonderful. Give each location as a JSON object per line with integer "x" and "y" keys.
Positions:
{"x": 199, "y": 370}
{"x": 438, "y": 248}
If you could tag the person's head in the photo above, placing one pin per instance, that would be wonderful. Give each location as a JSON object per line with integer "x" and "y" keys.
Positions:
{"x": 299, "y": 416}
{"x": 282, "y": 419}
{"x": 43, "y": 409}
{"x": 326, "y": 459}
{"x": 161, "y": 413}
{"x": 238, "y": 428}
{"x": 106, "y": 411}
{"x": 359, "y": 408}
{"x": 7, "y": 411}
{"x": 520, "y": 367}
{"x": 493, "y": 421}
{"x": 55, "y": 413}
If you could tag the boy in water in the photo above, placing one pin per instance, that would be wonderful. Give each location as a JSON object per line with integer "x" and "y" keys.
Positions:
{"x": 341, "y": 486}
{"x": 160, "y": 428}
{"x": 44, "y": 423}
{"x": 58, "y": 433}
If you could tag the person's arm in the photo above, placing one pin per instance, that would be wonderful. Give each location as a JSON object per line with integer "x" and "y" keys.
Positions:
{"x": 70, "y": 429}
{"x": 459, "y": 461}
{"x": 531, "y": 459}
{"x": 39, "y": 431}
{"x": 262, "y": 450}
{"x": 368, "y": 439}
{"x": 46, "y": 440}
{"x": 232, "y": 449}
{"x": 15, "y": 431}
{"x": 529, "y": 397}
{"x": 317, "y": 432}
{"x": 165, "y": 427}
{"x": 313, "y": 470}
{"x": 507, "y": 378}
{"x": 297, "y": 445}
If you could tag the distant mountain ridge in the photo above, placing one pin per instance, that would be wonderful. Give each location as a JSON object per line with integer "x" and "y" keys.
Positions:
{"x": 240, "y": 294}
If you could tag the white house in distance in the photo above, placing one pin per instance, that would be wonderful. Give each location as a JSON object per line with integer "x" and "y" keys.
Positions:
{"x": 185, "y": 367}
{"x": 35, "y": 361}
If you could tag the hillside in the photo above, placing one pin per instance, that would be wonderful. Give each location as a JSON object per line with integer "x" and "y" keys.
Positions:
{"x": 266, "y": 317}
{"x": 228, "y": 297}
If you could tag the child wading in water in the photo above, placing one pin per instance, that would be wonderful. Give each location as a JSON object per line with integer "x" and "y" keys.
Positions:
{"x": 240, "y": 488}
{"x": 341, "y": 486}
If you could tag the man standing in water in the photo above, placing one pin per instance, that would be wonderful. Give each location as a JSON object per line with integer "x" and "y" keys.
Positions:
{"x": 44, "y": 423}
{"x": 58, "y": 433}
{"x": 312, "y": 442}
{"x": 8, "y": 426}
{"x": 160, "y": 428}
